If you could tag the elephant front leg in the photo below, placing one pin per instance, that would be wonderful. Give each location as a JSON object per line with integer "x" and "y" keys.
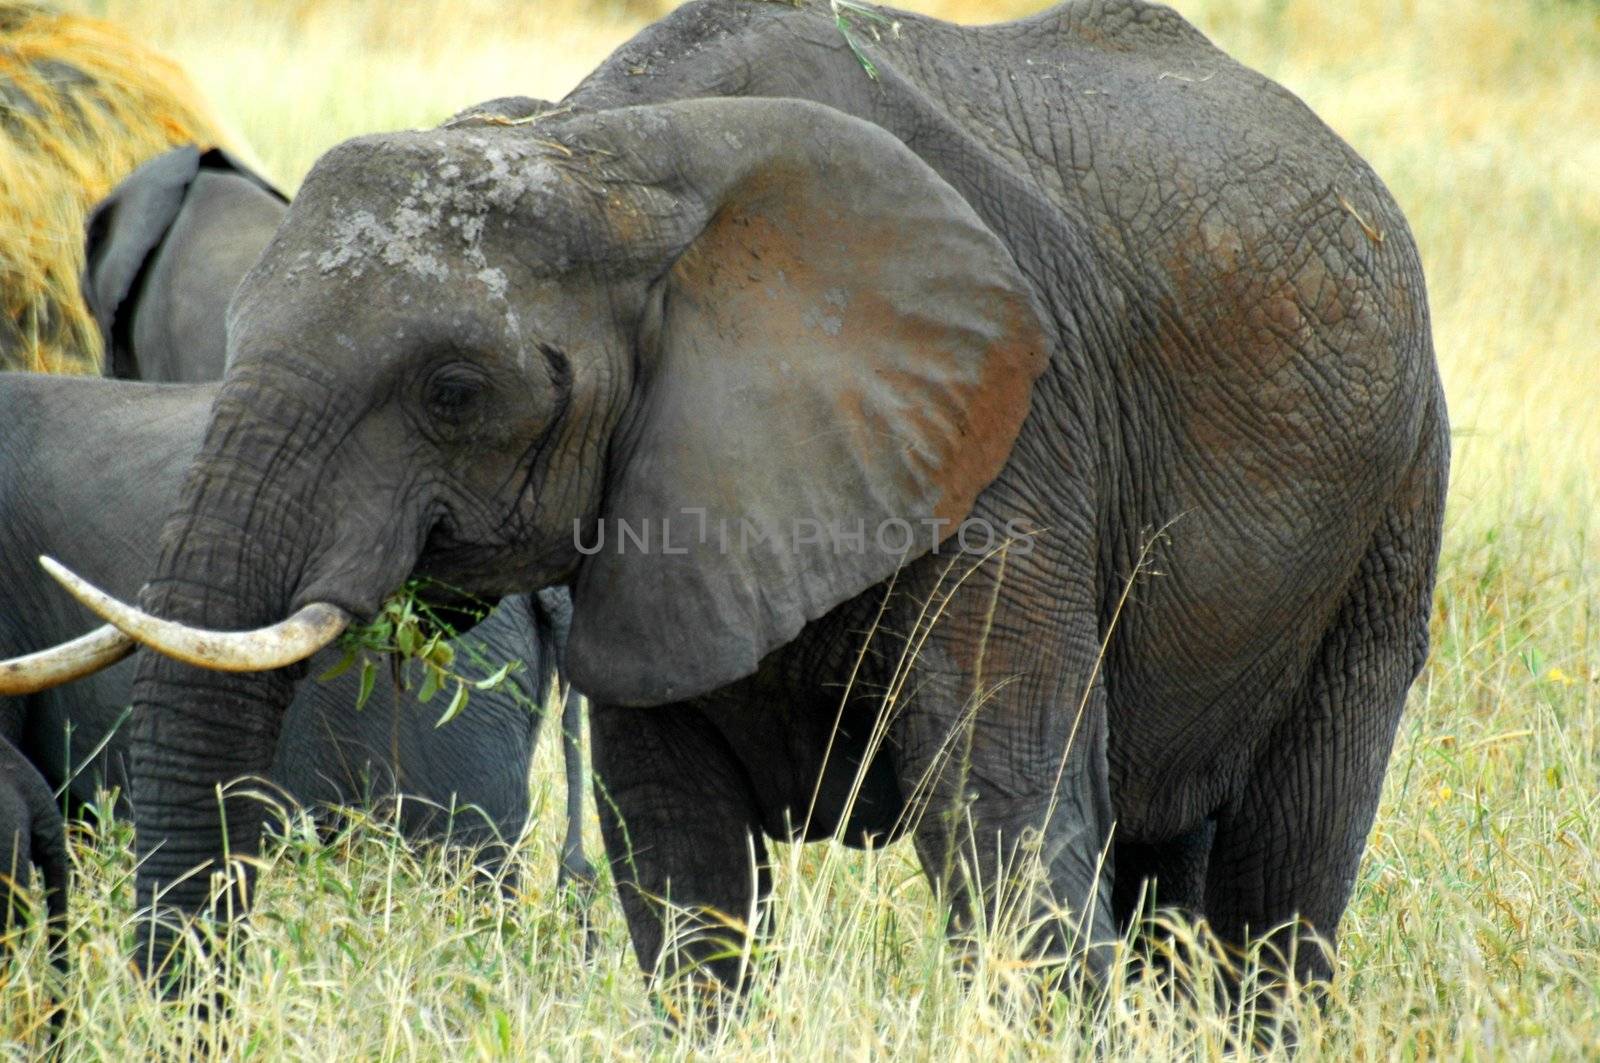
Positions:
{"x": 1003, "y": 747}
{"x": 683, "y": 838}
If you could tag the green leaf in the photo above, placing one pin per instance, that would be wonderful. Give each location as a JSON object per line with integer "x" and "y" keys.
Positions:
{"x": 344, "y": 665}
{"x": 457, "y": 703}
{"x": 405, "y": 638}
{"x": 855, "y": 49}
{"x": 431, "y": 680}
{"x": 369, "y": 676}
{"x": 495, "y": 680}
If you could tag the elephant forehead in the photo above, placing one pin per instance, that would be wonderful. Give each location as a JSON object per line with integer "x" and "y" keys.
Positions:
{"x": 430, "y": 205}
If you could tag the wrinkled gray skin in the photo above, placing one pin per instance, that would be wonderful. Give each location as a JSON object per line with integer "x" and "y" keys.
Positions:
{"x": 165, "y": 251}
{"x": 113, "y": 453}
{"x": 1081, "y": 276}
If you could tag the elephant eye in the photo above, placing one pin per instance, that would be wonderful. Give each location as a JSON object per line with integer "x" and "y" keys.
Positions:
{"x": 453, "y": 391}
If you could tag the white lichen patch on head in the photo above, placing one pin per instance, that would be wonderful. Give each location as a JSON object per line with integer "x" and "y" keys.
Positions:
{"x": 514, "y": 170}
{"x": 471, "y": 228}
{"x": 403, "y": 241}
{"x": 494, "y": 279}
{"x": 439, "y": 223}
{"x": 817, "y": 318}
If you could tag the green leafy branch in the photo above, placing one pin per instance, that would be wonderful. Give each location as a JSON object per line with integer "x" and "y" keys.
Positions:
{"x": 406, "y": 629}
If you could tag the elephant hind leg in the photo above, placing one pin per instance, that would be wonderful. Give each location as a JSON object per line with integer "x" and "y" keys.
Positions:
{"x": 1288, "y": 847}
{"x": 683, "y": 838}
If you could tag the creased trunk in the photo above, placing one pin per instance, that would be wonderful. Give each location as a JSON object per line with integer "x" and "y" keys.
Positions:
{"x": 231, "y": 558}
{"x": 221, "y": 733}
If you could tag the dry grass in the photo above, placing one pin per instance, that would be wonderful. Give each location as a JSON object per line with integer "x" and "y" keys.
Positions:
{"x": 81, "y": 104}
{"x": 1475, "y": 927}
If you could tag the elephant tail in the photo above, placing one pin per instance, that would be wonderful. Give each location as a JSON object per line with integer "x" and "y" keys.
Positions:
{"x": 552, "y": 620}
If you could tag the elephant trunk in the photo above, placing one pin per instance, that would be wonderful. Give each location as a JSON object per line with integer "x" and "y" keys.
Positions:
{"x": 195, "y": 735}
{"x": 233, "y": 557}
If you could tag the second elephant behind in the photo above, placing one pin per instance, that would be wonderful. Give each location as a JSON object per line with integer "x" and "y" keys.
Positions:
{"x": 88, "y": 470}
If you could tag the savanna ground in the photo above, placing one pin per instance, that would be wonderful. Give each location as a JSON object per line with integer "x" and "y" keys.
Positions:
{"x": 1474, "y": 930}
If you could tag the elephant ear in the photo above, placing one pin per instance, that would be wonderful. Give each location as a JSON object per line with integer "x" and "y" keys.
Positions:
{"x": 843, "y": 356}
{"x": 224, "y": 161}
{"x": 126, "y": 229}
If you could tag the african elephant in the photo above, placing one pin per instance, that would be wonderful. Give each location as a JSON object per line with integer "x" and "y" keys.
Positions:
{"x": 165, "y": 250}
{"x": 89, "y": 469}
{"x": 1079, "y": 366}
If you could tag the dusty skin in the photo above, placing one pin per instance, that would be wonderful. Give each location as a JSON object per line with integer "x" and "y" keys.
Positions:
{"x": 1472, "y": 925}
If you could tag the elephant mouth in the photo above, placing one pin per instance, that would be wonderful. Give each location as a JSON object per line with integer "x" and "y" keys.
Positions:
{"x": 448, "y": 559}
{"x": 449, "y": 609}
{"x": 453, "y": 568}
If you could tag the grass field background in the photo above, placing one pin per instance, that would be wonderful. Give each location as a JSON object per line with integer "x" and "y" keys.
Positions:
{"x": 1475, "y": 925}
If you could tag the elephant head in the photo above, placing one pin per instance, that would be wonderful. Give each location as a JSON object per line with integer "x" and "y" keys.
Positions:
{"x": 746, "y": 332}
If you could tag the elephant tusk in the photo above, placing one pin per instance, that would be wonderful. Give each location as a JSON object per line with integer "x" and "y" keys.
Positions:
{"x": 84, "y": 655}
{"x": 261, "y": 650}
